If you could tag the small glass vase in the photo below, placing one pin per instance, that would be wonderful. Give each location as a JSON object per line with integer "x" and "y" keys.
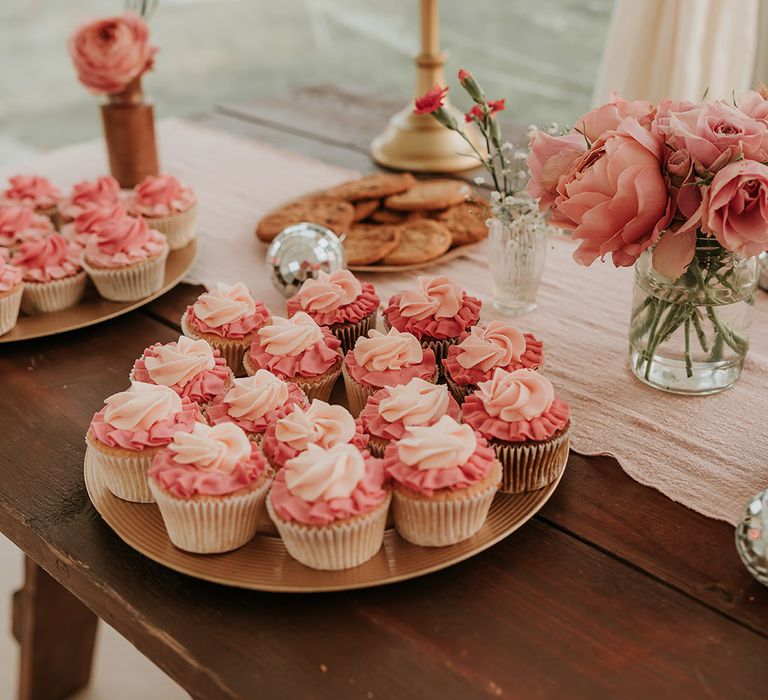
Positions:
{"x": 691, "y": 335}
{"x": 517, "y": 248}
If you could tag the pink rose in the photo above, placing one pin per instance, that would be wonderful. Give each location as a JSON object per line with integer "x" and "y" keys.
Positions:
{"x": 754, "y": 104}
{"x": 111, "y": 52}
{"x": 674, "y": 252}
{"x": 607, "y": 117}
{"x": 549, "y": 158}
{"x": 735, "y": 207}
{"x": 614, "y": 197}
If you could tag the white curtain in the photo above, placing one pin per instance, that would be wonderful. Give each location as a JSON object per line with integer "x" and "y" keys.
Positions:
{"x": 658, "y": 49}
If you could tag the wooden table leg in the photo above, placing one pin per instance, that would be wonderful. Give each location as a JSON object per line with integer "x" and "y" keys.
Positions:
{"x": 57, "y": 635}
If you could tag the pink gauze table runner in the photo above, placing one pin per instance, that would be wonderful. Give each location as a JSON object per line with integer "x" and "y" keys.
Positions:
{"x": 709, "y": 453}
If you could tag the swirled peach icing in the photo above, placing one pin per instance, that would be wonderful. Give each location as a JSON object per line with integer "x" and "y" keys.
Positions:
{"x": 123, "y": 241}
{"x": 10, "y": 275}
{"x": 19, "y": 223}
{"x": 46, "y": 259}
{"x": 88, "y": 221}
{"x": 333, "y": 298}
{"x": 227, "y": 310}
{"x": 161, "y": 195}
{"x": 104, "y": 191}
{"x": 32, "y": 191}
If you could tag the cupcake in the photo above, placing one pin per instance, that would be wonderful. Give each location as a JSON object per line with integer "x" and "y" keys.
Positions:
{"x": 437, "y": 313}
{"x": 384, "y": 360}
{"x": 484, "y": 349}
{"x": 444, "y": 478}
{"x": 19, "y": 224}
{"x": 11, "y": 290}
{"x": 330, "y": 506}
{"x": 192, "y": 368}
{"x": 126, "y": 259}
{"x": 35, "y": 192}
{"x": 89, "y": 221}
{"x": 227, "y": 318}
{"x": 131, "y": 429}
{"x": 321, "y": 424}
{"x": 168, "y": 207}
{"x": 210, "y": 484}
{"x": 339, "y": 302}
{"x": 298, "y": 350}
{"x": 252, "y": 403}
{"x": 101, "y": 192}
{"x": 391, "y": 411}
{"x": 53, "y": 277}
{"x": 522, "y": 419}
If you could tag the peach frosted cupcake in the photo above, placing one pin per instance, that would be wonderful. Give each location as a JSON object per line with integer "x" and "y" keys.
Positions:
{"x": 525, "y": 423}
{"x": 35, "y": 192}
{"x": 89, "y": 221}
{"x": 192, "y": 368}
{"x": 168, "y": 206}
{"x": 444, "y": 477}
{"x": 437, "y": 313}
{"x": 391, "y": 411}
{"x": 102, "y": 192}
{"x": 340, "y": 302}
{"x": 128, "y": 432}
{"x": 11, "y": 289}
{"x": 384, "y": 360}
{"x": 210, "y": 484}
{"x": 19, "y": 224}
{"x": 485, "y": 348}
{"x": 228, "y": 318}
{"x": 126, "y": 259}
{"x": 298, "y": 350}
{"x": 321, "y": 424}
{"x": 252, "y": 403}
{"x": 53, "y": 277}
{"x": 330, "y": 506}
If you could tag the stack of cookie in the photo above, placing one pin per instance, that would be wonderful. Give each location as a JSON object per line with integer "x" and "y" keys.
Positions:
{"x": 388, "y": 219}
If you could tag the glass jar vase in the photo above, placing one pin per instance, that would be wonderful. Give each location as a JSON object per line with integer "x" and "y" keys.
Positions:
{"x": 691, "y": 335}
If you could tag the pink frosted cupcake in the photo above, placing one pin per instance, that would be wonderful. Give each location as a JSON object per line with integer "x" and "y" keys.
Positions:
{"x": 321, "y": 424}
{"x": 330, "y": 506}
{"x": 19, "y": 224}
{"x": 90, "y": 220}
{"x": 88, "y": 194}
{"x": 126, "y": 259}
{"x": 484, "y": 349}
{"x": 130, "y": 430}
{"x": 437, "y": 313}
{"x": 252, "y": 403}
{"x": 53, "y": 277}
{"x": 35, "y": 192}
{"x": 445, "y": 477}
{"x": 339, "y": 302}
{"x": 210, "y": 486}
{"x": 384, "y": 360}
{"x": 11, "y": 290}
{"x": 525, "y": 423}
{"x": 192, "y": 368}
{"x": 391, "y": 411}
{"x": 168, "y": 206}
{"x": 298, "y": 350}
{"x": 227, "y": 318}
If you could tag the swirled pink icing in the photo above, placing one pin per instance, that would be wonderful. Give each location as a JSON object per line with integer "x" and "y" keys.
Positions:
{"x": 191, "y": 370}
{"x": 480, "y": 351}
{"x": 160, "y": 195}
{"x": 32, "y": 191}
{"x": 295, "y": 347}
{"x": 334, "y": 298}
{"x": 145, "y": 415}
{"x": 253, "y": 402}
{"x": 367, "y": 493}
{"x": 19, "y": 223}
{"x": 227, "y": 310}
{"x": 46, "y": 259}
{"x": 515, "y": 407}
{"x": 415, "y": 403}
{"x": 10, "y": 276}
{"x": 90, "y": 219}
{"x": 443, "y": 456}
{"x": 104, "y": 191}
{"x": 201, "y": 463}
{"x": 123, "y": 241}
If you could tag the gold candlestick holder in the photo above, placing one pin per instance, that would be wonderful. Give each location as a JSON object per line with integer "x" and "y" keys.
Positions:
{"x": 418, "y": 142}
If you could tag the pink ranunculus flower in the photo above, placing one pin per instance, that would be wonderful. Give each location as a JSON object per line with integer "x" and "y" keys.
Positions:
{"x": 615, "y": 197}
{"x": 608, "y": 116}
{"x": 109, "y": 53}
{"x": 549, "y": 157}
{"x": 735, "y": 208}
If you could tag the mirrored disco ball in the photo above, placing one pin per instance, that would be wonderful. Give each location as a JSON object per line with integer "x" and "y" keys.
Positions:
{"x": 752, "y": 537}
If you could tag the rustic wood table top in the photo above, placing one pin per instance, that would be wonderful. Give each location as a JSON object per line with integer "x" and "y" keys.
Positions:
{"x": 612, "y": 590}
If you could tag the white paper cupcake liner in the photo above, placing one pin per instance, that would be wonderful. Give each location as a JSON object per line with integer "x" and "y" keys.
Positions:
{"x": 531, "y": 467}
{"x": 213, "y": 524}
{"x": 125, "y": 474}
{"x": 440, "y": 348}
{"x": 340, "y": 545}
{"x": 441, "y": 522}
{"x": 9, "y": 309}
{"x": 349, "y": 333}
{"x": 459, "y": 392}
{"x": 178, "y": 229}
{"x": 320, "y": 389}
{"x": 44, "y": 297}
{"x": 129, "y": 283}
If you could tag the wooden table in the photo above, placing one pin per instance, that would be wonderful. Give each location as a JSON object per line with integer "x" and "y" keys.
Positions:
{"x": 611, "y": 591}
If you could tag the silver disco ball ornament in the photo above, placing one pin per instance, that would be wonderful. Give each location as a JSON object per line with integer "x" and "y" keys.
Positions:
{"x": 299, "y": 252}
{"x": 752, "y": 537}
